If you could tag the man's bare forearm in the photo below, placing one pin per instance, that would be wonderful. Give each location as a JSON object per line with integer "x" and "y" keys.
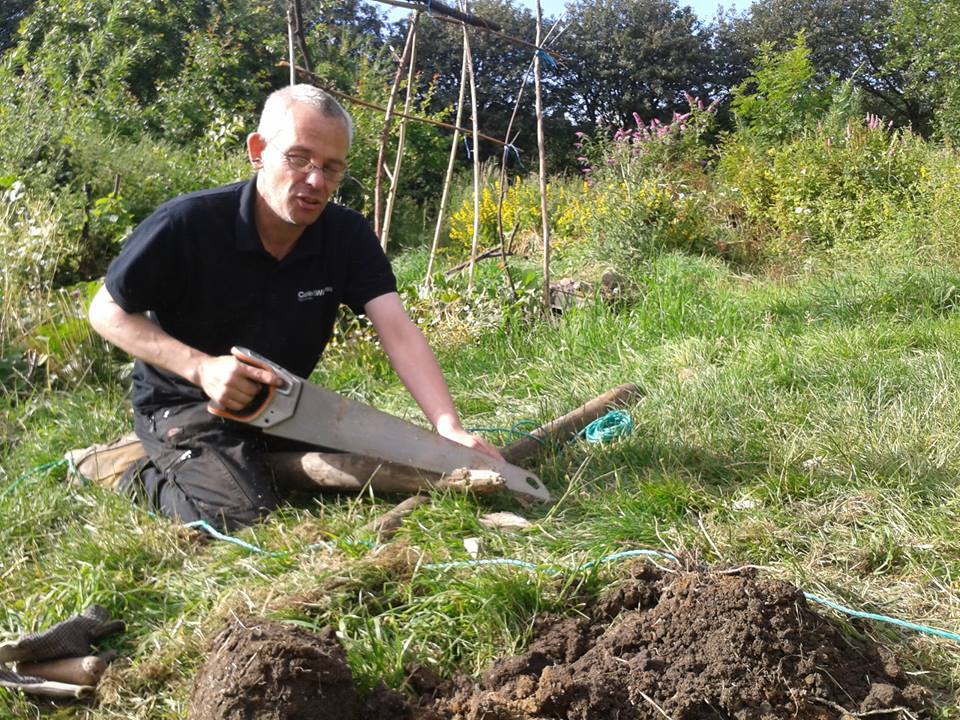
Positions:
{"x": 143, "y": 339}
{"x": 418, "y": 369}
{"x": 224, "y": 379}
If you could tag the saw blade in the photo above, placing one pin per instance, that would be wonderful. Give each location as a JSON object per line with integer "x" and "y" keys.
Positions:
{"x": 326, "y": 418}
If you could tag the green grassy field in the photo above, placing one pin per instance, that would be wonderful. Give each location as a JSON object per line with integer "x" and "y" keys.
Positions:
{"x": 805, "y": 423}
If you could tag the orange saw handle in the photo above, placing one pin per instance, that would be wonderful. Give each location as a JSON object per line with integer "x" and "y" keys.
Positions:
{"x": 265, "y": 398}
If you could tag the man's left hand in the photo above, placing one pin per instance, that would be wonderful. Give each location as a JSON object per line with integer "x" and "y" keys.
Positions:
{"x": 474, "y": 442}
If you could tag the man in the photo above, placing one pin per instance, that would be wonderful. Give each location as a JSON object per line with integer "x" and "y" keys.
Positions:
{"x": 263, "y": 264}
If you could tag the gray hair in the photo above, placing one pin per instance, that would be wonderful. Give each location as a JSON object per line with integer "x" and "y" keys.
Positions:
{"x": 277, "y": 104}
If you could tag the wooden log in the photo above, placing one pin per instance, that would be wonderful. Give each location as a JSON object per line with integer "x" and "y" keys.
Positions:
{"x": 348, "y": 472}
{"x": 565, "y": 428}
{"x": 45, "y": 688}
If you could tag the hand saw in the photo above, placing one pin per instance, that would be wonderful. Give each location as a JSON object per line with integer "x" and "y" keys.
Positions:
{"x": 300, "y": 410}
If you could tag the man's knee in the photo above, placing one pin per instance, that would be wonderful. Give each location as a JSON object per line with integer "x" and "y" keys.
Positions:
{"x": 225, "y": 491}
{"x": 207, "y": 469}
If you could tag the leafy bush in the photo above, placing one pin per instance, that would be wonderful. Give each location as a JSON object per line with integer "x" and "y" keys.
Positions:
{"x": 782, "y": 98}
{"x": 648, "y": 190}
{"x": 822, "y": 189}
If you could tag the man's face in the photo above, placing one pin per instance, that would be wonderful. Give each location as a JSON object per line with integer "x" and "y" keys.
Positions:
{"x": 293, "y": 196}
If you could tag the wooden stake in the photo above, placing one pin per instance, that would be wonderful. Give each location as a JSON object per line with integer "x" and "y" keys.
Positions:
{"x": 564, "y": 428}
{"x": 545, "y": 218}
{"x": 300, "y": 36}
{"x": 448, "y": 179}
{"x": 385, "y": 133}
{"x": 402, "y": 139}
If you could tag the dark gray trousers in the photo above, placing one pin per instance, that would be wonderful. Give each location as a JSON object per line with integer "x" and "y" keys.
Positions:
{"x": 203, "y": 467}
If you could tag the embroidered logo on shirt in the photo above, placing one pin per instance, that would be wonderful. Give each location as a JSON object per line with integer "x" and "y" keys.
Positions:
{"x": 304, "y": 295}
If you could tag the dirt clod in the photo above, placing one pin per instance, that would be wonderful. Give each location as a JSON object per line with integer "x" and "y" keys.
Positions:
{"x": 688, "y": 646}
{"x": 274, "y": 671}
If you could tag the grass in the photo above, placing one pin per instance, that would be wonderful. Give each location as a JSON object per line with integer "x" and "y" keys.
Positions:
{"x": 808, "y": 424}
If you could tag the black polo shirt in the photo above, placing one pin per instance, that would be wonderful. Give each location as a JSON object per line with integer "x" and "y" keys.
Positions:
{"x": 198, "y": 266}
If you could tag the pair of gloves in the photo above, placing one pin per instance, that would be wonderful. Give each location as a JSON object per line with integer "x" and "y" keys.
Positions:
{"x": 58, "y": 663}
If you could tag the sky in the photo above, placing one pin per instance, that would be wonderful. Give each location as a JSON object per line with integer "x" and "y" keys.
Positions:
{"x": 705, "y": 9}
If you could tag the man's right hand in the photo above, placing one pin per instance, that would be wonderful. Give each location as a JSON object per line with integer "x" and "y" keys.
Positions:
{"x": 232, "y": 383}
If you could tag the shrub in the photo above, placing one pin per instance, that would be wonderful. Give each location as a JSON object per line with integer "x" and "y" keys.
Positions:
{"x": 781, "y": 99}
{"x": 824, "y": 189}
{"x": 649, "y": 189}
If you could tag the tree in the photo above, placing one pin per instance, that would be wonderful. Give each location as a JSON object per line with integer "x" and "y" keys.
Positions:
{"x": 925, "y": 42}
{"x": 848, "y": 39}
{"x": 628, "y": 56}
{"x": 11, "y": 15}
{"x": 781, "y": 98}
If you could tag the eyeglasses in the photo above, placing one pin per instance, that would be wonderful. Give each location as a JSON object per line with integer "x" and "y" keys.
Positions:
{"x": 303, "y": 164}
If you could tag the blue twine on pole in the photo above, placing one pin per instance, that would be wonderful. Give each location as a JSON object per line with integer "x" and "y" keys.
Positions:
{"x": 467, "y": 146}
{"x": 217, "y": 535}
{"x": 926, "y": 629}
{"x": 510, "y": 149}
{"x": 883, "y": 618}
{"x": 525, "y": 565}
{"x": 545, "y": 56}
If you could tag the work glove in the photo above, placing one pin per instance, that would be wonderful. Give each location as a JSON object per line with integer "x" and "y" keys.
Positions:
{"x": 46, "y": 688}
{"x": 70, "y": 638}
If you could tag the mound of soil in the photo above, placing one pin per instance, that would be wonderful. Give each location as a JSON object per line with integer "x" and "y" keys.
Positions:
{"x": 686, "y": 646}
{"x": 264, "y": 670}
{"x": 680, "y": 645}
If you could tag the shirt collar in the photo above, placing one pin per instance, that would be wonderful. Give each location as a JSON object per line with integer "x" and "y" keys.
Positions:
{"x": 248, "y": 239}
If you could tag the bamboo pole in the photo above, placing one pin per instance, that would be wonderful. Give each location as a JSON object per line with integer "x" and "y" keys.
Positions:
{"x": 545, "y": 218}
{"x": 291, "y": 21}
{"x": 506, "y": 136}
{"x": 503, "y": 36}
{"x": 440, "y": 10}
{"x": 385, "y": 133}
{"x": 448, "y": 178}
{"x": 476, "y": 160}
{"x": 402, "y": 138}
